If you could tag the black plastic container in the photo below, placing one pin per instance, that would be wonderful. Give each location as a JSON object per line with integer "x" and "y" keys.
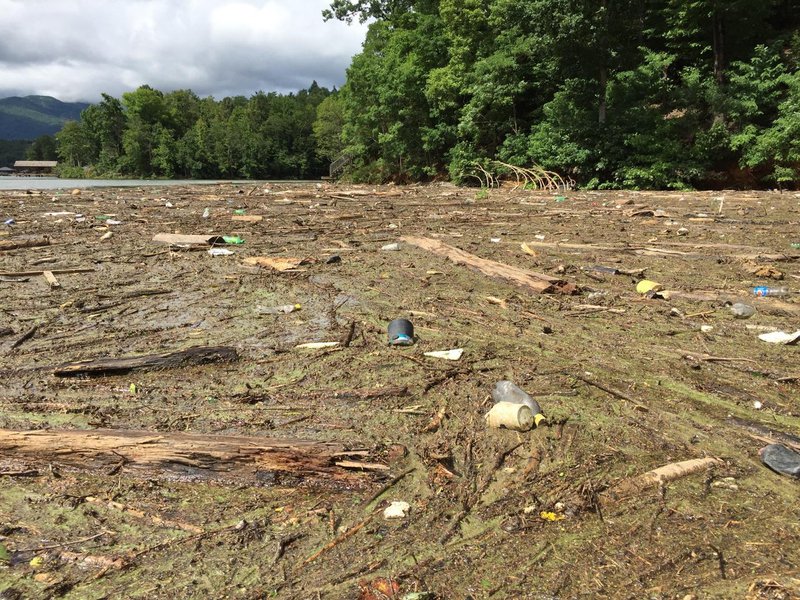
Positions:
{"x": 401, "y": 332}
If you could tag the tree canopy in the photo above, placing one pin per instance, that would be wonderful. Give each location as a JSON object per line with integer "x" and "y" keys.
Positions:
{"x": 612, "y": 93}
{"x": 148, "y": 133}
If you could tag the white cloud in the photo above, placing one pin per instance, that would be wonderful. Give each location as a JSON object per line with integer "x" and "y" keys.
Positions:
{"x": 75, "y": 50}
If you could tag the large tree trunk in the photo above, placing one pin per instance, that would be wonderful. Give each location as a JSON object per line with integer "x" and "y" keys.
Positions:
{"x": 718, "y": 28}
{"x": 202, "y": 457}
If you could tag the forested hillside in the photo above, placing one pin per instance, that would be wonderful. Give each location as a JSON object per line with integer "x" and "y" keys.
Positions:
{"x": 148, "y": 133}
{"x": 29, "y": 117}
{"x": 612, "y": 93}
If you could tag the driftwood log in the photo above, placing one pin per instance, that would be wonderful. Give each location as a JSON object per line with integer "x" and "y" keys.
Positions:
{"x": 538, "y": 283}
{"x": 27, "y": 243}
{"x": 110, "y": 366}
{"x": 195, "y": 457}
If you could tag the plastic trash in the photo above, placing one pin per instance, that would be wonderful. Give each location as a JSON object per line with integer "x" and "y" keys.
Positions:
{"x": 396, "y": 510}
{"x": 9, "y": 222}
{"x": 602, "y": 269}
{"x": 510, "y": 415}
{"x": 780, "y": 337}
{"x": 401, "y": 332}
{"x": 742, "y": 311}
{"x": 284, "y": 309}
{"x": 232, "y": 239}
{"x": 454, "y": 354}
{"x": 508, "y": 391}
{"x": 781, "y": 459}
{"x": 763, "y": 290}
{"x": 645, "y": 286}
{"x": 206, "y": 213}
{"x": 391, "y": 247}
{"x": 219, "y": 252}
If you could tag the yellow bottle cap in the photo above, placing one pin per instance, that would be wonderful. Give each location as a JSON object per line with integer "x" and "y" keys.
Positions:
{"x": 538, "y": 418}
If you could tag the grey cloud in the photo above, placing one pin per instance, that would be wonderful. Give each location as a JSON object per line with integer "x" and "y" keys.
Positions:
{"x": 76, "y": 50}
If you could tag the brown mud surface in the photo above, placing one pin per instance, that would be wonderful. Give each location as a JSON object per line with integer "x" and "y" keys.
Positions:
{"x": 628, "y": 383}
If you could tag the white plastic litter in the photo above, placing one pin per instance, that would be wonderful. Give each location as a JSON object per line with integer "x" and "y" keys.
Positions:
{"x": 396, "y": 510}
{"x": 780, "y": 337}
{"x": 454, "y": 354}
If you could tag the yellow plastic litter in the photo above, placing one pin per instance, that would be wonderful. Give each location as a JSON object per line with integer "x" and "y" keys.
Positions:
{"x": 645, "y": 285}
{"x": 551, "y": 516}
{"x": 36, "y": 561}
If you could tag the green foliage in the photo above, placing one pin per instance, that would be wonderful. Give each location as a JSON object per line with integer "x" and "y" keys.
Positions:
{"x": 42, "y": 148}
{"x": 151, "y": 134}
{"x": 12, "y": 151}
{"x": 662, "y": 94}
{"x": 328, "y": 127}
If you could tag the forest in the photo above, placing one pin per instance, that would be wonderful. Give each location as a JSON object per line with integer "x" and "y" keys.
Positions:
{"x": 656, "y": 94}
{"x": 612, "y": 93}
{"x": 148, "y": 133}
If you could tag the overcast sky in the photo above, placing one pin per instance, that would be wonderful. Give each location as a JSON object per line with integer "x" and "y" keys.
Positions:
{"x": 76, "y": 49}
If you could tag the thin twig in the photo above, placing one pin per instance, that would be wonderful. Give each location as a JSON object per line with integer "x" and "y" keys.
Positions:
{"x": 394, "y": 480}
{"x": 72, "y": 543}
{"x": 612, "y": 391}
{"x": 25, "y": 337}
{"x": 338, "y": 540}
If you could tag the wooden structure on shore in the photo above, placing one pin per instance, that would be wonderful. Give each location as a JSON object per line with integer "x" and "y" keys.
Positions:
{"x": 35, "y": 167}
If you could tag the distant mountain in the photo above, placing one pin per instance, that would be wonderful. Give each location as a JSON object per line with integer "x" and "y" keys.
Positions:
{"x": 31, "y": 116}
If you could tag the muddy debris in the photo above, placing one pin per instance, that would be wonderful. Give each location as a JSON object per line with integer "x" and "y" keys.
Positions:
{"x": 170, "y": 428}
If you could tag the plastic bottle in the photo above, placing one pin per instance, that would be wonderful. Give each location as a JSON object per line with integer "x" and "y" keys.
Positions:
{"x": 740, "y": 310}
{"x": 507, "y": 391}
{"x": 763, "y": 290}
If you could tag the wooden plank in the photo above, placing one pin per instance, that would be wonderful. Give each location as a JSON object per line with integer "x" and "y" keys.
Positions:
{"x": 184, "y": 455}
{"x": 522, "y": 278}
{"x": 28, "y": 243}
{"x": 189, "y": 240}
{"x": 51, "y": 279}
{"x": 111, "y": 366}
{"x": 53, "y": 271}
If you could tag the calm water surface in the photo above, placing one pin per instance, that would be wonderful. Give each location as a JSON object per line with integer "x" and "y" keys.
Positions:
{"x": 54, "y": 183}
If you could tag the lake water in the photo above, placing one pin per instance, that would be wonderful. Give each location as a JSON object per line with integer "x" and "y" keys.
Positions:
{"x": 54, "y": 183}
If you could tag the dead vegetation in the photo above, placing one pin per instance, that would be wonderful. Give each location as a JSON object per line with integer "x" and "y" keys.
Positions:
{"x": 197, "y": 449}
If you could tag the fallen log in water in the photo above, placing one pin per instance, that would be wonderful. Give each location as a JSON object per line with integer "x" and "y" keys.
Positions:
{"x": 109, "y": 366}
{"x": 538, "y": 283}
{"x": 189, "y": 456}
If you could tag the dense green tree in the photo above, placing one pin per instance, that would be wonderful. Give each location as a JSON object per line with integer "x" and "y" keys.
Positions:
{"x": 328, "y": 127}
{"x": 42, "y": 148}
{"x": 76, "y": 147}
{"x": 662, "y": 93}
{"x": 151, "y": 134}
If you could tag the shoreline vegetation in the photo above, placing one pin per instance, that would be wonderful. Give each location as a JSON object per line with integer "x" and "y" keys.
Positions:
{"x": 623, "y": 95}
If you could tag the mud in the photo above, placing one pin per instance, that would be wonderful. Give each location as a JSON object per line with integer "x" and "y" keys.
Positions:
{"x": 628, "y": 383}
